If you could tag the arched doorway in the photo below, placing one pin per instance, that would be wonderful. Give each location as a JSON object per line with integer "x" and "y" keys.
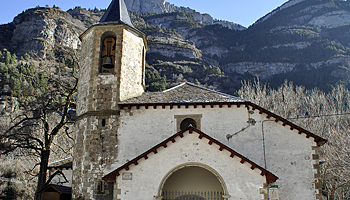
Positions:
{"x": 193, "y": 182}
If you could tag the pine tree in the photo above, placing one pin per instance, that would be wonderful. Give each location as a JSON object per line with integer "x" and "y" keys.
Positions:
{"x": 8, "y": 58}
{"x": 26, "y": 56}
{"x": 196, "y": 82}
{"x": 13, "y": 59}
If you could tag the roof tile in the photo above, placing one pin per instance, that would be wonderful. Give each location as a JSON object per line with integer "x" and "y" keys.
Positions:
{"x": 116, "y": 13}
{"x": 184, "y": 93}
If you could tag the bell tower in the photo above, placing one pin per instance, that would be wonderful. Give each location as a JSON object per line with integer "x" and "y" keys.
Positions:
{"x": 112, "y": 69}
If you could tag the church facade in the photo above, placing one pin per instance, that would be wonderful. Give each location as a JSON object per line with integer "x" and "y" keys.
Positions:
{"x": 187, "y": 142}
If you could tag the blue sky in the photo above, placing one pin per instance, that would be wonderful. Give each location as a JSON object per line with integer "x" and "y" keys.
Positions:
{"x": 244, "y": 12}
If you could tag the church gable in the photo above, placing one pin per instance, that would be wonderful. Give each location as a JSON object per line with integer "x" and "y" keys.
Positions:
{"x": 194, "y": 148}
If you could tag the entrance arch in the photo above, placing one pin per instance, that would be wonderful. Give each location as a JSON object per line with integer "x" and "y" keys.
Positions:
{"x": 192, "y": 181}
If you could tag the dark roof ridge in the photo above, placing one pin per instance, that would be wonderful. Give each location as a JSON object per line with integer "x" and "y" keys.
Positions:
{"x": 270, "y": 177}
{"x": 59, "y": 188}
{"x": 203, "y": 88}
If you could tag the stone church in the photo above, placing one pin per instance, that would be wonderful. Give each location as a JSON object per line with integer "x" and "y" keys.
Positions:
{"x": 187, "y": 142}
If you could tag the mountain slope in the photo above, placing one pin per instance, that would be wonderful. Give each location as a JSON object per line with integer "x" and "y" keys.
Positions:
{"x": 303, "y": 41}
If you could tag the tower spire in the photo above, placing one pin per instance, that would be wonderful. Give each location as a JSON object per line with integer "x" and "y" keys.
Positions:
{"x": 116, "y": 13}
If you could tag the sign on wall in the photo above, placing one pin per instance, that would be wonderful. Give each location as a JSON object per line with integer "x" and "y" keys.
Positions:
{"x": 273, "y": 192}
{"x": 127, "y": 176}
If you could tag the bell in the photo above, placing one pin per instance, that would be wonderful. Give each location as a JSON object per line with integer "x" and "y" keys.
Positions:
{"x": 108, "y": 63}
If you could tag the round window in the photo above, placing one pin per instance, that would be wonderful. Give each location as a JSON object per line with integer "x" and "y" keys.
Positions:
{"x": 187, "y": 122}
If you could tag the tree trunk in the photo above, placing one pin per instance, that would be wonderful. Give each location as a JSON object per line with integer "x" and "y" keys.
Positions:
{"x": 44, "y": 161}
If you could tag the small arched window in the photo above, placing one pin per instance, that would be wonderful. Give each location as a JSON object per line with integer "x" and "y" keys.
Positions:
{"x": 188, "y": 122}
{"x": 108, "y": 51}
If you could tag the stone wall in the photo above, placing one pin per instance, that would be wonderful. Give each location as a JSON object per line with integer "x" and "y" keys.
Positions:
{"x": 97, "y": 123}
{"x": 100, "y": 89}
{"x": 95, "y": 149}
{"x": 131, "y": 72}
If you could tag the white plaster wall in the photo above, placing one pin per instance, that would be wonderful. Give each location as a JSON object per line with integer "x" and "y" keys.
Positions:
{"x": 141, "y": 129}
{"x": 241, "y": 181}
{"x": 289, "y": 156}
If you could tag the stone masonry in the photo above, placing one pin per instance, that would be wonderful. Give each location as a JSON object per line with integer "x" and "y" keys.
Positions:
{"x": 98, "y": 113}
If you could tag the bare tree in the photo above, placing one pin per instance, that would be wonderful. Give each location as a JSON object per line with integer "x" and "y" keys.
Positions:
{"x": 14, "y": 182}
{"x": 326, "y": 114}
{"x": 48, "y": 115}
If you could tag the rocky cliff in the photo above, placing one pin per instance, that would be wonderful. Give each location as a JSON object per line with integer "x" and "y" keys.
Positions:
{"x": 149, "y": 6}
{"x": 39, "y": 30}
{"x": 284, "y": 6}
{"x": 303, "y": 41}
{"x": 161, "y": 6}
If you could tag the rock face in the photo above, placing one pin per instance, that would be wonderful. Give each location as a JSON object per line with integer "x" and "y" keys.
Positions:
{"x": 299, "y": 40}
{"x": 39, "y": 30}
{"x": 230, "y": 25}
{"x": 149, "y": 6}
{"x": 6, "y": 33}
{"x": 175, "y": 50}
{"x": 332, "y": 19}
{"x": 284, "y": 6}
{"x": 260, "y": 70}
{"x": 161, "y": 6}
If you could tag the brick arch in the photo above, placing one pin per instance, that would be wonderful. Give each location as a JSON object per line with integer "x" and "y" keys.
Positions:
{"x": 193, "y": 164}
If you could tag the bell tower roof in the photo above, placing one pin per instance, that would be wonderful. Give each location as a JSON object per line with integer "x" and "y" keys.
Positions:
{"x": 116, "y": 13}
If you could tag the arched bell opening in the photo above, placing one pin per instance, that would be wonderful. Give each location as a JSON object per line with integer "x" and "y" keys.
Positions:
{"x": 108, "y": 51}
{"x": 192, "y": 182}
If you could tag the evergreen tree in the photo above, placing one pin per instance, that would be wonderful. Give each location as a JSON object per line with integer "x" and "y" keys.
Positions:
{"x": 8, "y": 58}
{"x": 13, "y": 59}
{"x": 31, "y": 69}
{"x": 1, "y": 57}
{"x": 26, "y": 56}
{"x": 196, "y": 82}
{"x": 154, "y": 82}
{"x": 3, "y": 68}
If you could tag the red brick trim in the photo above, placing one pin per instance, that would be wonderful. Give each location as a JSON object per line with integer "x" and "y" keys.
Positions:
{"x": 111, "y": 177}
{"x": 320, "y": 141}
